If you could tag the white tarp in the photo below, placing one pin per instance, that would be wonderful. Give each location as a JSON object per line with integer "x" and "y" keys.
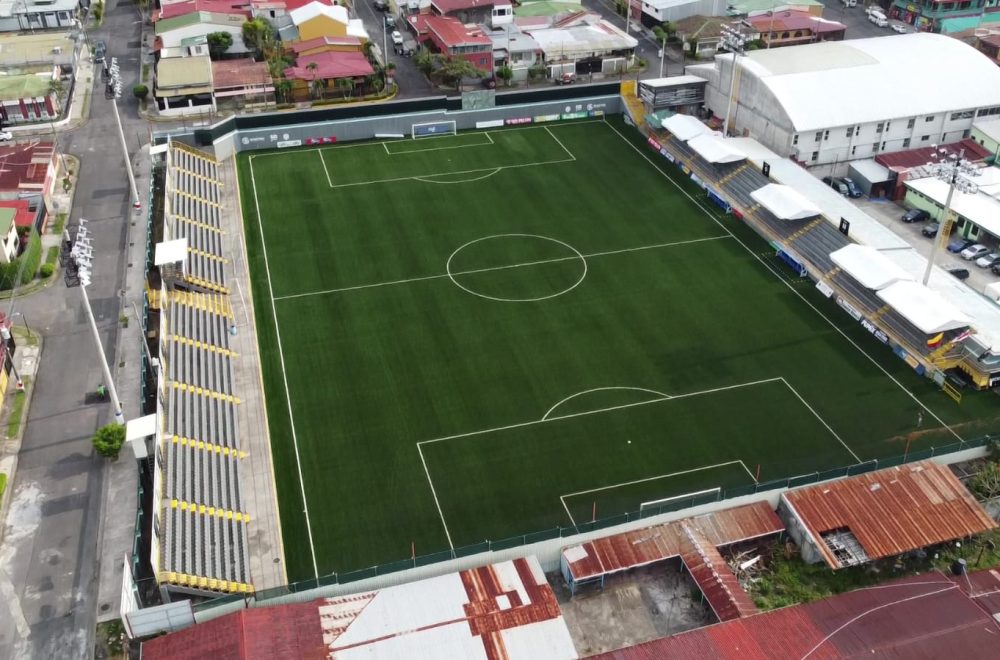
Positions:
{"x": 992, "y": 291}
{"x": 716, "y": 149}
{"x": 684, "y": 127}
{"x": 869, "y": 266}
{"x": 924, "y": 308}
{"x": 785, "y": 202}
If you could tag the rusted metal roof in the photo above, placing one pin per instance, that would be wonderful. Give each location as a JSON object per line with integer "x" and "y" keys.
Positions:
{"x": 890, "y": 511}
{"x": 712, "y": 575}
{"x": 923, "y": 616}
{"x": 983, "y": 587}
{"x": 649, "y": 545}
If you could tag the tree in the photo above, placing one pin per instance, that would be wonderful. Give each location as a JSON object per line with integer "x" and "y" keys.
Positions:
{"x": 455, "y": 69}
{"x": 57, "y": 89}
{"x": 258, "y": 35}
{"x": 538, "y": 71}
{"x": 283, "y": 89}
{"x": 986, "y": 484}
{"x": 140, "y": 92}
{"x": 315, "y": 86}
{"x": 425, "y": 62}
{"x": 218, "y": 43}
{"x": 346, "y": 86}
{"x": 505, "y": 73}
{"x": 108, "y": 440}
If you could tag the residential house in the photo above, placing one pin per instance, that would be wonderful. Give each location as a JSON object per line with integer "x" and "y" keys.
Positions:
{"x": 747, "y": 8}
{"x": 329, "y": 68}
{"x": 20, "y": 51}
{"x": 186, "y": 35}
{"x": 514, "y": 48}
{"x": 986, "y": 132}
{"x": 989, "y": 44}
{"x": 450, "y": 36}
{"x": 701, "y": 36}
{"x": 29, "y": 171}
{"x": 28, "y": 97}
{"x": 183, "y": 85}
{"x": 316, "y": 19}
{"x": 242, "y": 81}
{"x": 791, "y": 28}
{"x": 28, "y": 213}
{"x": 184, "y": 7}
{"x": 326, "y": 45}
{"x": 30, "y": 15}
{"x": 582, "y": 42}
{"x": 467, "y": 11}
{"x": 912, "y": 163}
{"x": 9, "y": 243}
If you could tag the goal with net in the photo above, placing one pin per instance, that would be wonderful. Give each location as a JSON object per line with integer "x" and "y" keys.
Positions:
{"x": 434, "y": 128}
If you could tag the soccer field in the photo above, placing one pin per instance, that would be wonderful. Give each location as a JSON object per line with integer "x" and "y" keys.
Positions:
{"x": 476, "y": 336}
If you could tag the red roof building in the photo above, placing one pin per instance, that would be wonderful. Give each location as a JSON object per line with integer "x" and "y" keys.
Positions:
{"x": 330, "y": 66}
{"x": 326, "y": 44}
{"x": 881, "y": 514}
{"x": 23, "y": 215}
{"x": 185, "y": 7}
{"x": 923, "y": 616}
{"x": 27, "y": 169}
{"x": 910, "y": 164}
{"x": 242, "y": 78}
{"x": 794, "y": 27}
{"x": 451, "y": 37}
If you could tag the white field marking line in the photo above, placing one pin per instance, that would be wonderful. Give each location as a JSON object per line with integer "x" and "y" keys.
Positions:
{"x": 355, "y": 145}
{"x": 418, "y": 177}
{"x": 875, "y": 609}
{"x": 284, "y": 374}
{"x": 559, "y": 142}
{"x": 821, "y": 420}
{"x": 596, "y": 411}
{"x": 785, "y": 282}
{"x": 434, "y": 493}
{"x": 488, "y": 143}
{"x": 660, "y": 395}
{"x": 329, "y": 181}
{"x": 386, "y": 147}
{"x": 447, "y": 183}
{"x": 473, "y": 271}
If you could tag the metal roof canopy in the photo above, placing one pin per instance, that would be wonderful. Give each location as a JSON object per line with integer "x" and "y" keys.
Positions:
{"x": 924, "y": 308}
{"x": 889, "y": 511}
{"x": 685, "y": 127}
{"x": 868, "y": 266}
{"x": 785, "y": 202}
{"x": 170, "y": 252}
{"x": 715, "y": 149}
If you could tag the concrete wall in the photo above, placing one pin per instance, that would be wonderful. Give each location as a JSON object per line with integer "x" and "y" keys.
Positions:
{"x": 986, "y": 141}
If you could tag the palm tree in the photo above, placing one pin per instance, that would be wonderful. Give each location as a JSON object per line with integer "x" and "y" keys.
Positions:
{"x": 315, "y": 86}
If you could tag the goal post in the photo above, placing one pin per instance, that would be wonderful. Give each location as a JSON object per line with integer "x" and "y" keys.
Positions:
{"x": 433, "y": 129}
{"x": 701, "y": 496}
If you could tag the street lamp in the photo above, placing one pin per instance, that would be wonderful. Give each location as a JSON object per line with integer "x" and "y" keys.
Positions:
{"x": 957, "y": 173}
{"x": 82, "y": 255}
{"x": 116, "y": 85}
{"x": 735, "y": 42}
{"x": 25, "y": 320}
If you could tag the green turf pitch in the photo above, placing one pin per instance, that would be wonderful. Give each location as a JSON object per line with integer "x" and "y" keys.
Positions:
{"x": 473, "y": 328}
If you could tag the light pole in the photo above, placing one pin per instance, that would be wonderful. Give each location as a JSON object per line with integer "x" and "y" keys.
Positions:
{"x": 82, "y": 255}
{"x": 116, "y": 84}
{"x": 957, "y": 173}
{"x": 735, "y": 41}
{"x": 25, "y": 320}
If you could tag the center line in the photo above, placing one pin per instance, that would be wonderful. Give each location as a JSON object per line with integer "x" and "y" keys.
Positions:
{"x": 493, "y": 268}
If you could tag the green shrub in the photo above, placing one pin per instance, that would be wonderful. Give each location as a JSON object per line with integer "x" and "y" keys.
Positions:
{"x": 108, "y": 440}
{"x": 47, "y": 270}
{"x": 140, "y": 91}
{"x": 30, "y": 257}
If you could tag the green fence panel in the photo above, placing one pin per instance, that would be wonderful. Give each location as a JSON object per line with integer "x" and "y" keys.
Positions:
{"x": 394, "y": 566}
{"x": 216, "y": 602}
{"x": 892, "y": 461}
{"x": 354, "y": 576}
{"x": 835, "y": 473}
{"x": 507, "y": 544}
{"x": 862, "y": 468}
{"x": 544, "y": 535}
{"x": 474, "y": 549}
{"x": 327, "y": 580}
{"x": 771, "y": 485}
{"x": 433, "y": 558}
{"x": 803, "y": 479}
{"x": 610, "y": 521}
{"x": 921, "y": 455}
{"x": 739, "y": 491}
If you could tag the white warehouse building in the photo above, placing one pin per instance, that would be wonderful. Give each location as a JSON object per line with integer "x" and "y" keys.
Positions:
{"x": 836, "y": 101}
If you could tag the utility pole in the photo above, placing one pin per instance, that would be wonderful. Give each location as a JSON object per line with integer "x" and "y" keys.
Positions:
{"x": 957, "y": 173}
{"x": 82, "y": 255}
{"x": 116, "y": 85}
{"x": 735, "y": 41}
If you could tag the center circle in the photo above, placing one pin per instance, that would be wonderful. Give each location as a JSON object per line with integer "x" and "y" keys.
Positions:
{"x": 538, "y": 262}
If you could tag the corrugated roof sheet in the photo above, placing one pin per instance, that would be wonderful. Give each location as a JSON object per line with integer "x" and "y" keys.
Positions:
{"x": 969, "y": 149}
{"x": 983, "y": 587}
{"x": 25, "y": 166}
{"x": 923, "y": 616}
{"x": 891, "y": 511}
{"x": 640, "y": 547}
{"x": 711, "y": 573}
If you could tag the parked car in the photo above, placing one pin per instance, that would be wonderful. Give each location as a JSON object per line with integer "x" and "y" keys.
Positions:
{"x": 397, "y": 38}
{"x": 836, "y": 184}
{"x": 974, "y": 252}
{"x": 916, "y": 215}
{"x": 852, "y": 188}
{"x": 380, "y": 5}
{"x": 566, "y": 79}
{"x": 490, "y": 83}
{"x": 959, "y": 244}
{"x": 988, "y": 260}
{"x": 879, "y": 20}
{"x": 930, "y": 230}
{"x": 100, "y": 50}
{"x": 6, "y": 136}
{"x": 960, "y": 273}
{"x": 390, "y": 23}
{"x": 995, "y": 268}
{"x": 898, "y": 27}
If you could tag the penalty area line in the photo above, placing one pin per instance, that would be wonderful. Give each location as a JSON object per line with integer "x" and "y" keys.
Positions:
{"x": 437, "y": 503}
{"x": 329, "y": 181}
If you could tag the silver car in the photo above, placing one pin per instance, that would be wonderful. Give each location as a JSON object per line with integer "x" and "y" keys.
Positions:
{"x": 974, "y": 252}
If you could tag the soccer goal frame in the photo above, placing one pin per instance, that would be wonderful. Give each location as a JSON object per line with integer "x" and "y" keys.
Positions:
{"x": 433, "y": 129}
{"x": 643, "y": 506}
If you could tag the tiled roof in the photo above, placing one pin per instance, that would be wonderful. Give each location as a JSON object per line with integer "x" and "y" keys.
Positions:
{"x": 24, "y": 167}
{"x": 300, "y": 46}
{"x": 453, "y": 33}
{"x": 917, "y": 157}
{"x": 216, "y": 6}
{"x": 330, "y": 66}
{"x": 237, "y": 73}
{"x": 794, "y": 20}
{"x": 448, "y": 6}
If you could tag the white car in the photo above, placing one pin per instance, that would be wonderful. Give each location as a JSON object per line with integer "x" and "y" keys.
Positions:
{"x": 397, "y": 38}
{"x": 974, "y": 252}
{"x": 988, "y": 260}
{"x": 896, "y": 27}
{"x": 6, "y": 136}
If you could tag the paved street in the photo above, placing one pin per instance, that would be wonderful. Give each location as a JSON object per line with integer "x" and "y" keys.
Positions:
{"x": 50, "y": 549}
{"x": 412, "y": 83}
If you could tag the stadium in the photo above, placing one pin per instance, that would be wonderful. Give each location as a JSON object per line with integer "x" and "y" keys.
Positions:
{"x": 404, "y": 336}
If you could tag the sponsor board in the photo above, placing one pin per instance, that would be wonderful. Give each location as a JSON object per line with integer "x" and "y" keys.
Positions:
{"x": 653, "y": 143}
{"x": 582, "y": 114}
{"x": 283, "y": 144}
{"x": 824, "y": 288}
{"x": 493, "y": 123}
{"x": 544, "y": 118}
{"x": 517, "y": 120}
{"x": 849, "y": 308}
{"x": 697, "y": 180}
{"x": 878, "y": 334}
{"x": 321, "y": 140}
{"x": 246, "y": 139}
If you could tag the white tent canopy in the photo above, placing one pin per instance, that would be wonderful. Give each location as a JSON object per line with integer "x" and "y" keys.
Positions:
{"x": 924, "y": 308}
{"x": 869, "y": 266}
{"x": 785, "y": 202}
{"x": 684, "y": 127}
{"x": 715, "y": 149}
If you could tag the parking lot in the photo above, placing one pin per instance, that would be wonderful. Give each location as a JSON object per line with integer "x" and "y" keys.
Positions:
{"x": 856, "y": 20}
{"x": 889, "y": 214}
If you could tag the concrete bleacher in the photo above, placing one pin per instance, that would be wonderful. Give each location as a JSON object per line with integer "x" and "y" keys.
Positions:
{"x": 202, "y": 518}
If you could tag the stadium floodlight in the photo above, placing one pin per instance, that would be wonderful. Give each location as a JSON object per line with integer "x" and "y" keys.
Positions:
{"x": 116, "y": 86}
{"x": 735, "y": 42}
{"x": 958, "y": 173}
{"x": 82, "y": 253}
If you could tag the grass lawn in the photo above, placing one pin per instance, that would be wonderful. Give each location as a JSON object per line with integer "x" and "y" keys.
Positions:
{"x": 478, "y": 336}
